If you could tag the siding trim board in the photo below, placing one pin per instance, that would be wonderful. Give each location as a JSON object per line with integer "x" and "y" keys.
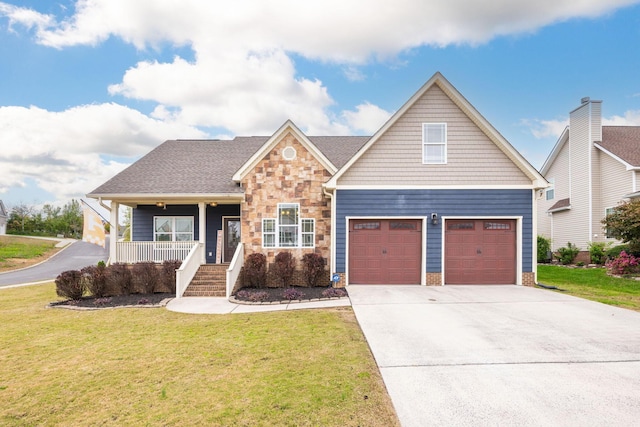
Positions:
{"x": 514, "y": 204}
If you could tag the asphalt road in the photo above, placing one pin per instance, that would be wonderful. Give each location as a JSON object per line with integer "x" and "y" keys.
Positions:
{"x": 75, "y": 256}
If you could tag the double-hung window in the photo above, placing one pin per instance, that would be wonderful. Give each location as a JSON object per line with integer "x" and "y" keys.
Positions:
{"x": 434, "y": 143}
{"x": 288, "y": 230}
{"x": 173, "y": 228}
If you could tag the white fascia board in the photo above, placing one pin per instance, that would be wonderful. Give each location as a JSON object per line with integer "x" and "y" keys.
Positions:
{"x": 627, "y": 165}
{"x": 288, "y": 126}
{"x": 564, "y": 138}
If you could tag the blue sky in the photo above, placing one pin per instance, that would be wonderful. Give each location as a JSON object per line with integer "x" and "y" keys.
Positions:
{"x": 88, "y": 87}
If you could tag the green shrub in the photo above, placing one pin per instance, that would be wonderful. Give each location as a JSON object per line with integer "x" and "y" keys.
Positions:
{"x": 168, "y": 278}
{"x": 313, "y": 268}
{"x": 544, "y": 249}
{"x": 597, "y": 252}
{"x": 119, "y": 279}
{"x": 567, "y": 255}
{"x": 255, "y": 270}
{"x": 69, "y": 284}
{"x": 284, "y": 266}
{"x": 615, "y": 251}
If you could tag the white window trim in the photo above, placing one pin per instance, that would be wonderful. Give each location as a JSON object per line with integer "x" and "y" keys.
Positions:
{"x": 606, "y": 233}
{"x": 552, "y": 188}
{"x": 173, "y": 227}
{"x": 441, "y": 143}
{"x": 300, "y": 227}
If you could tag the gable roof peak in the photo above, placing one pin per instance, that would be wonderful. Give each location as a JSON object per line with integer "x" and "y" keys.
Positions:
{"x": 287, "y": 127}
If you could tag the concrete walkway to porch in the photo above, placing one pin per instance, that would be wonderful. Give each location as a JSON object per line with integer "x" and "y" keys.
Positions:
{"x": 217, "y": 305}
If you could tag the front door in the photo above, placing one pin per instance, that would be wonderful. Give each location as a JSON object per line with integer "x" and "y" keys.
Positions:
{"x": 231, "y": 227}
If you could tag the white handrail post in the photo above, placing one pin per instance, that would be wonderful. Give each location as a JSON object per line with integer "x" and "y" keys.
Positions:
{"x": 235, "y": 266}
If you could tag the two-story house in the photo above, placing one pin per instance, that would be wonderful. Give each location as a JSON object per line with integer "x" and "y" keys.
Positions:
{"x": 591, "y": 169}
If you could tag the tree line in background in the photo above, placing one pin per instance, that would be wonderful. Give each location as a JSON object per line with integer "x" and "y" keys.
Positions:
{"x": 50, "y": 221}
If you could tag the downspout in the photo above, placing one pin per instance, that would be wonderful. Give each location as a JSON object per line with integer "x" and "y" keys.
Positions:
{"x": 108, "y": 208}
{"x": 332, "y": 251}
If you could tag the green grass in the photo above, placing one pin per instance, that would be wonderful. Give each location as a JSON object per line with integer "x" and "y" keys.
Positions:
{"x": 593, "y": 284}
{"x": 155, "y": 367}
{"x": 18, "y": 251}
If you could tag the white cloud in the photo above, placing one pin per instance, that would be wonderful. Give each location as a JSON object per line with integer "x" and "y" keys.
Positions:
{"x": 71, "y": 152}
{"x": 367, "y": 118}
{"x": 242, "y": 79}
{"x": 630, "y": 118}
{"x": 542, "y": 129}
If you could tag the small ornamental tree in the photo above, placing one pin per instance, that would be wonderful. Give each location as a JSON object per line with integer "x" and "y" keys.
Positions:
{"x": 624, "y": 224}
{"x": 284, "y": 266}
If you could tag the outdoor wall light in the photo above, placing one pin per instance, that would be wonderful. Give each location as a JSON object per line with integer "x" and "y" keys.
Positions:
{"x": 213, "y": 204}
{"x": 160, "y": 204}
{"x": 434, "y": 218}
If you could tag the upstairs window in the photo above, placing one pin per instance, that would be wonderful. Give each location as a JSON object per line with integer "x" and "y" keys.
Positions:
{"x": 550, "y": 192}
{"x": 288, "y": 230}
{"x": 434, "y": 143}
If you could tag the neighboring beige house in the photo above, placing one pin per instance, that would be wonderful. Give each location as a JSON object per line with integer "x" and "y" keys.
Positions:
{"x": 4, "y": 217}
{"x": 591, "y": 169}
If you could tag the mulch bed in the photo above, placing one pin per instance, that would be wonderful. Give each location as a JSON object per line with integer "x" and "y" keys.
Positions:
{"x": 133, "y": 300}
{"x": 294, "y": 293}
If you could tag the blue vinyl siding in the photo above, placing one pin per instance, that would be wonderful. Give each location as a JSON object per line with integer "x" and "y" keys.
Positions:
{"x": 404, "y": 203}
{"x": 143, "y": 222}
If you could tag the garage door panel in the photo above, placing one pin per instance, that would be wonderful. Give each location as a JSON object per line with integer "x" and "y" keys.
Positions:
{"x": 480, "y": 251}
{"x": 385, "y": 251}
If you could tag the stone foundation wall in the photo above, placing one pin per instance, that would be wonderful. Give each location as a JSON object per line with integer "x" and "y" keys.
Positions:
{"x": 434, "y": 279}
{"x": 529, "y": 279}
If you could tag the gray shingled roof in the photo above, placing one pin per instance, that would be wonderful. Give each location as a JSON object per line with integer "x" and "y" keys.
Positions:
{"x": 622, "y": 141}
{"x": 206, "y": 166}
{"x": 560, "y": 205}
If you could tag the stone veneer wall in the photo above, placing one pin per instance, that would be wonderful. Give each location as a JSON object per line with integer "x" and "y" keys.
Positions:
{"x": 277, "y": 180}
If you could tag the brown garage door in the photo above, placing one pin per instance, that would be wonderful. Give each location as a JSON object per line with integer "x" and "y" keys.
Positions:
{"x": 385, "y": 251}
{"x": 480, "y": 252}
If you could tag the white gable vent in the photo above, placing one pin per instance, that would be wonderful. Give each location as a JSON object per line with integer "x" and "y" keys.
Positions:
{"x": 289, "y": 153}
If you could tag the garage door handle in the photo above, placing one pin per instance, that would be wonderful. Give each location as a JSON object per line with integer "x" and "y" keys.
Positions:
{"x": 479, "y": 251}
{"x": 384, "y": 251}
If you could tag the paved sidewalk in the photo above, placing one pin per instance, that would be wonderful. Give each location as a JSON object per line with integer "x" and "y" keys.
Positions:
{"x": 204, "y": 305}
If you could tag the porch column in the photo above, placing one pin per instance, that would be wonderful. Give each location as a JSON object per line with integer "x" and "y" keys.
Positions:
{"x": 202, "y": 227}
{"x": 113, "y": 231}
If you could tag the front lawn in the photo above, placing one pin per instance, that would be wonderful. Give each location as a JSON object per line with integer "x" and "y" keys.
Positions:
{"x": 18, "y": 252}
{"x": 150, "y": 366}
{"x": 593, "y": 284}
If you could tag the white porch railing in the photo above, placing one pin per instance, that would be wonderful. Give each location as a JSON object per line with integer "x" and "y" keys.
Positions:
{"x": 188, "y": 269}
{"x": 132, "y": 252}
{"x": 236, "y": 264}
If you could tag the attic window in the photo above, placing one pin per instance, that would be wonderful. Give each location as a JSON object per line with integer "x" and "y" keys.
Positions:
{"x": 434, "y": 143}
{"x": 289, "y": 153}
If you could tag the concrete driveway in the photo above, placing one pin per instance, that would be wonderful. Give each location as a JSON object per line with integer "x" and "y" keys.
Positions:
{"x": 502, "y": 355}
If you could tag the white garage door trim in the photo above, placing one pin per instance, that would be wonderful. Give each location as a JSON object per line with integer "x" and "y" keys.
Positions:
{"x": 423, "y": 261}
{"x": 518, "y": 241}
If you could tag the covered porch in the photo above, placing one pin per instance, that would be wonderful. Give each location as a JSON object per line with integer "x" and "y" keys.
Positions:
{"x": 194, "y": 232}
